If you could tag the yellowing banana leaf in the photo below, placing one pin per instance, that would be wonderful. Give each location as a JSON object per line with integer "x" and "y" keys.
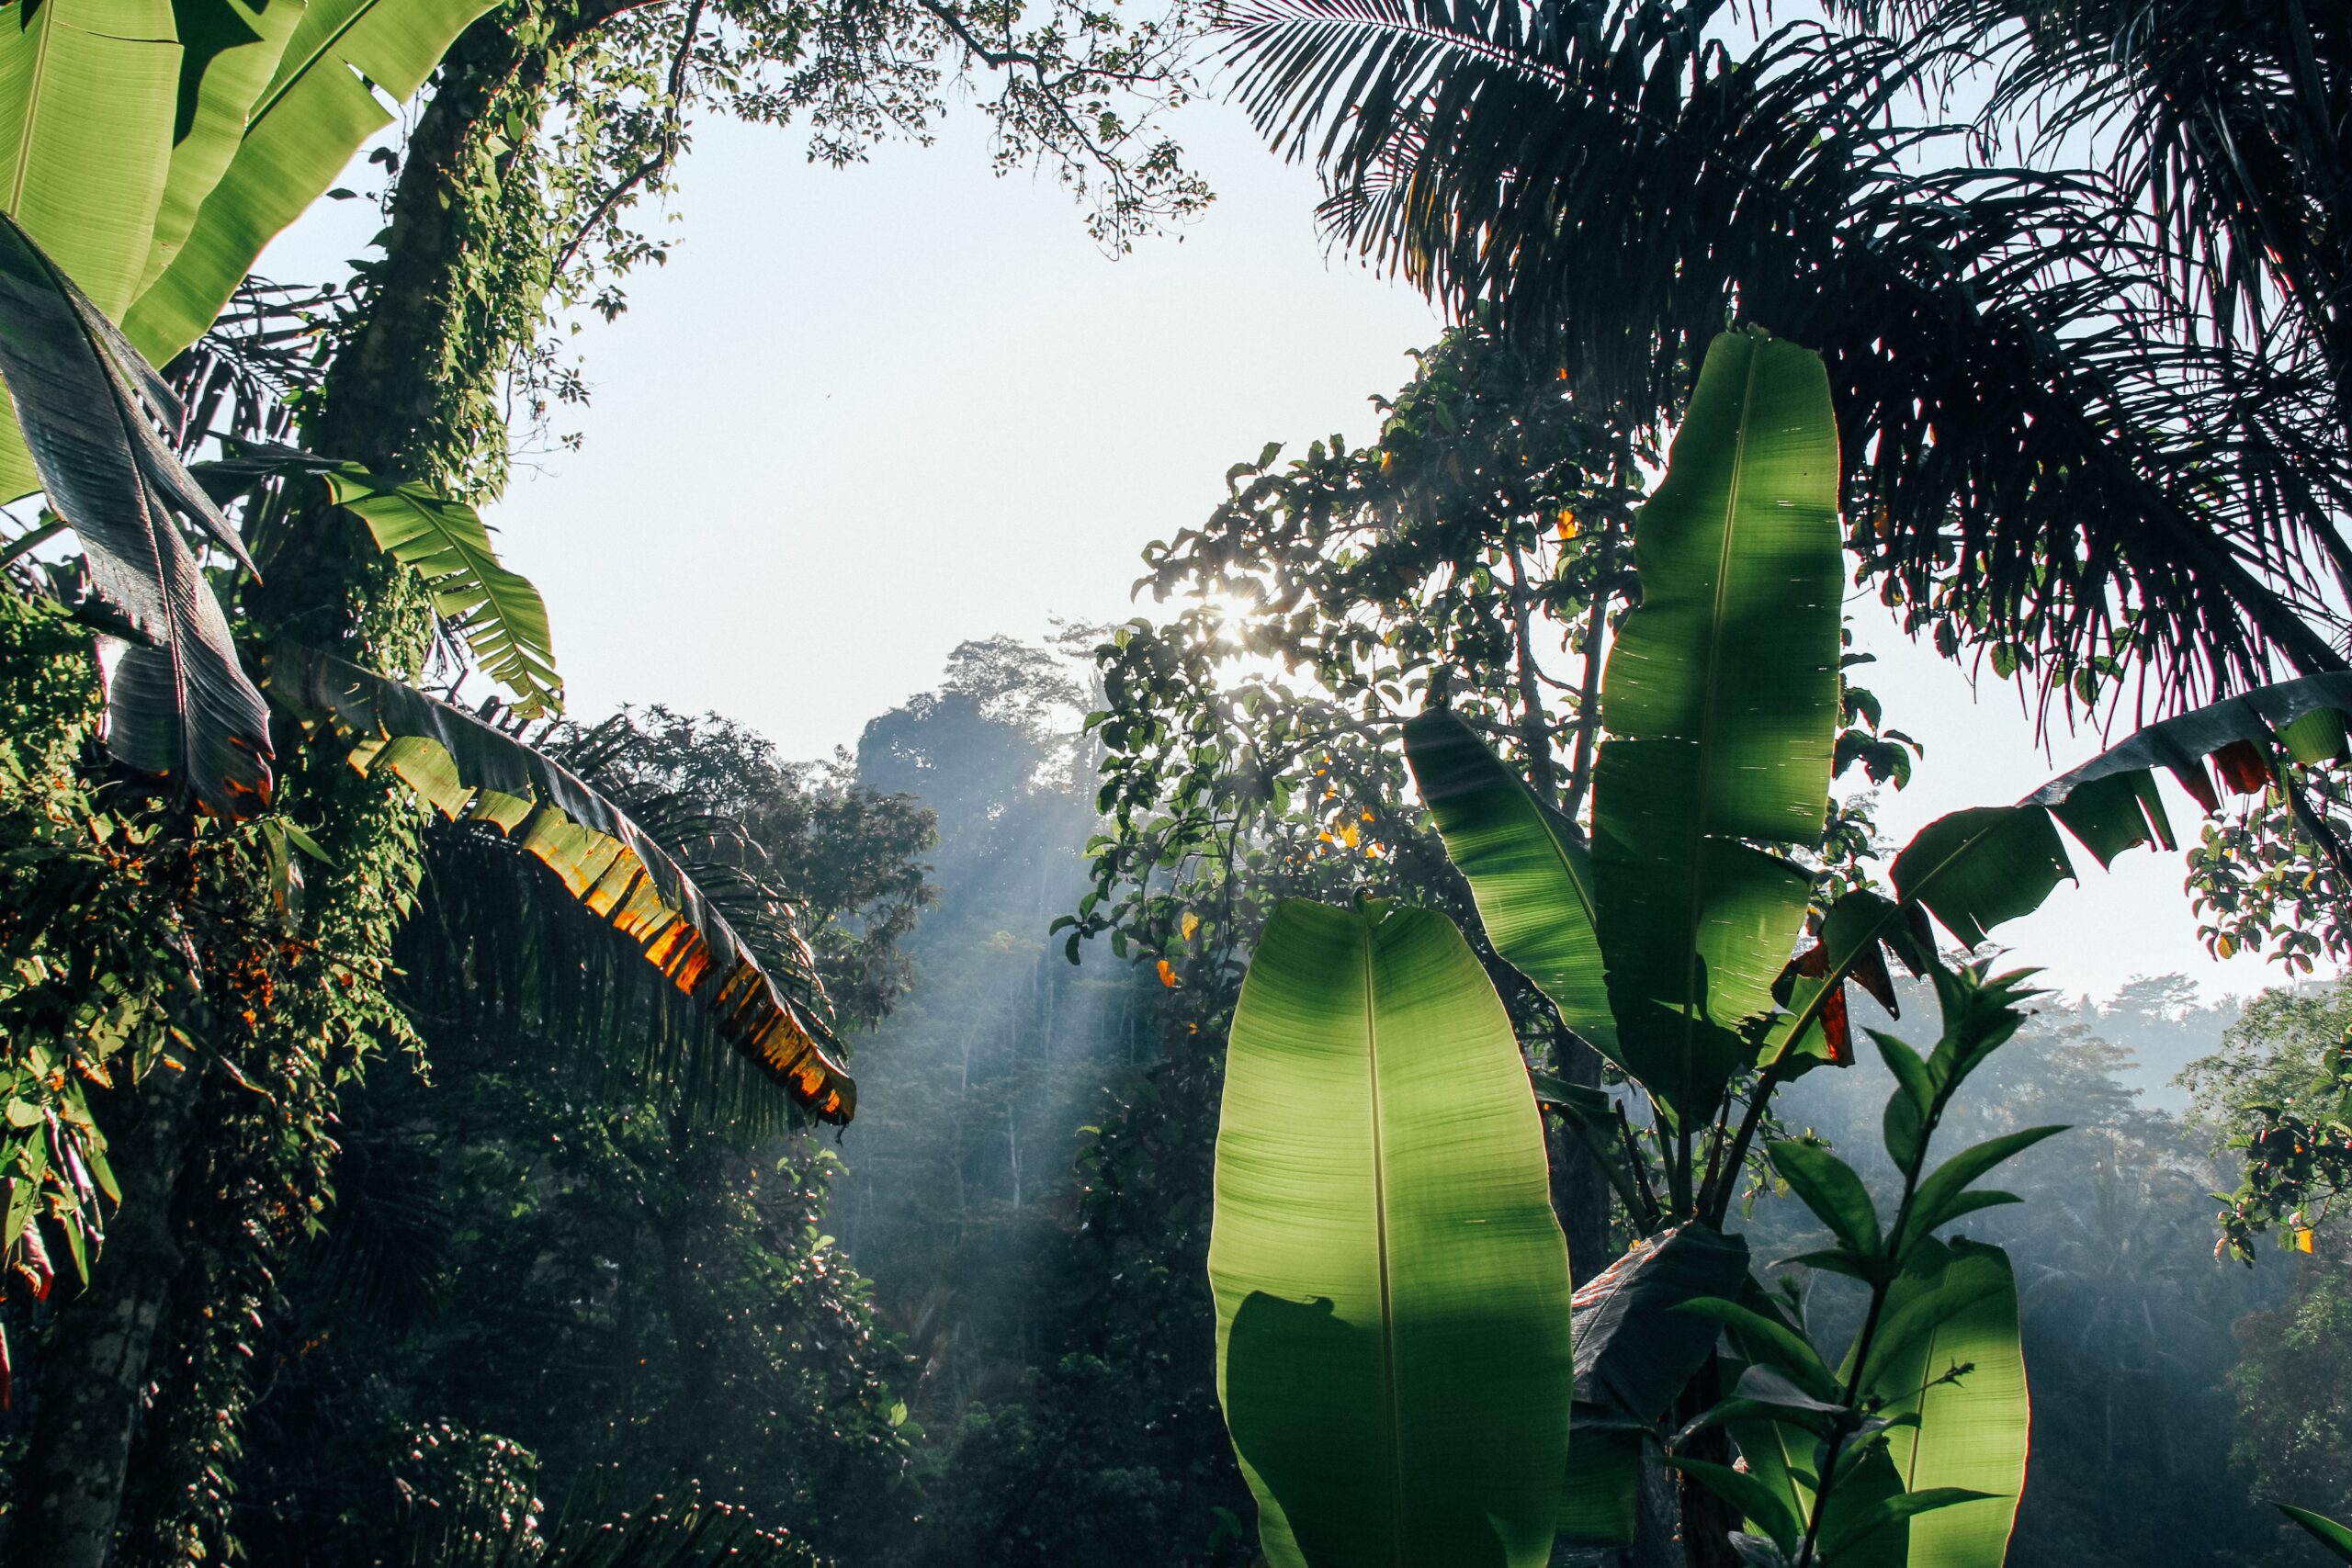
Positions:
{"x": 1973, "y": 1430}
{"x": 1528, "y": 866}
{"x": 1392, "y": 1290}
{"x": 313, "y": 114}
{"x": 180, "y": 703}
{"x": 465, "y": 769}
{"x": 88, "y": 90}
{"x": 1721, "y": 704}
{"x": 500, "y": 614}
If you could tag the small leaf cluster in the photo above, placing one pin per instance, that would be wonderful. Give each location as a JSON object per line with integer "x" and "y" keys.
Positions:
{"x": 1830, "y": 1489}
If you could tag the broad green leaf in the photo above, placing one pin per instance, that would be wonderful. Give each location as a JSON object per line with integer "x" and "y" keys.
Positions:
{"x": 465, "y": 769}
{"x": 1391, "y": 1287}
{"x": 1827, "y": 1186}
{"x": 1528, "y": 866}
{"x": 1973, "y": 1430}
{"x": 88, "y": 90}
{"x": 1766, "y": 1339}
{"x": 313, "y": 114}
{"x": 1392, "y": 1290}
{"x": 178, "y": 703}
{"x": 1721, "y": 702}
{"x": 1979, "y": 867}
{"x": 1601, "y": 1494}
{"x": 499, "y": 614}
{"x": 2334, "y": 1535}
{"x": 230, "y": 49}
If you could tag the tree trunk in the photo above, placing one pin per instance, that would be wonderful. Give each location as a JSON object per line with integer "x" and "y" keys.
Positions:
{"x": 93, "y": 1368}
{"x": 1580, "y": 1194}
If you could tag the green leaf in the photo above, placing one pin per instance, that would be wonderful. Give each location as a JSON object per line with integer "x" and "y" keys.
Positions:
{"x": 229, "y": 50}
{"x": 88, "y": 93}
{"x": 1858, "y": 1524}
{"x": 179, "y": 704}
{"x": 464, "y": 768}
{"x": 1767, "y": 1337}
{"x": 1904, "y": 1122}
{"x": 1828, "y": 1186}
{"x": 1979, "y": 867}
{"x": 2334, "y": 1535}
{"x": 1936, "y": 1201}
{"x": 313, "y": 114}
{"x": 1721, "y": 702}
{"x": 1972, "y": 1431}
{"x": 1528, "y": 867}
{"x": 1392, "y": 1290}
{"x": 1601, "y": 1494}
{"x": 499, "y": 614}
{"x": 1756, "y": 1502}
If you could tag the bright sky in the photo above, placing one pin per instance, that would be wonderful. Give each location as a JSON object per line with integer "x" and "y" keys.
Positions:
{"x": 865, "y": 416}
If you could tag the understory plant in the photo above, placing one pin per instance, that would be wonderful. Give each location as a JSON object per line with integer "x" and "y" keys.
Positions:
{"x": 1384, "y": 1263}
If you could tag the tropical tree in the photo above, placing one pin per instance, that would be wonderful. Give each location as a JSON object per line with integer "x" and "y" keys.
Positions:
{"x": 1665, "y": 941}
{"x": 2094, "y": 420}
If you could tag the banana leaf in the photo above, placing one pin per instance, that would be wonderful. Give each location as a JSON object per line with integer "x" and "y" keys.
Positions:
{"x": 1392, "y": 1290}
{"x": 230, "y": 49}
{"x": 467, "y": 770}
{"x": 317, "y": 110}
{"x": 1976, "y": 868}
{"x": 88, "y": 93}
{"x": 1721, "y": 702}
{"x": 1974, "y": 1428}
{"x": 1528, "y": 866}
{"x": 2337, "y": 1538}
{"x": 499, "y": 614}
{"x": 179, "y": 703}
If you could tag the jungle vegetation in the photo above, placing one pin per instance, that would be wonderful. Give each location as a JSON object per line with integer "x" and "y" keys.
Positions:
{"x": 1412, "y": 1050}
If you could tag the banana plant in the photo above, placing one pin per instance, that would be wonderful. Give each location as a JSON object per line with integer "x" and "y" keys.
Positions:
{"x": 1678, "y": 936}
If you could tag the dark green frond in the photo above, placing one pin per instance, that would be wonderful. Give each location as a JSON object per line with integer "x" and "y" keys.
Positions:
{"x": 2035, "y": 459}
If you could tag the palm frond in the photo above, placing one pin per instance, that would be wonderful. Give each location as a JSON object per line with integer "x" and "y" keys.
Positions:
{"x": 2036, "y": 461}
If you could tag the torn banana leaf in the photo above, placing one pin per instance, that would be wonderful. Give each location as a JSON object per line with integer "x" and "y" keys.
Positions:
{"x": 468, "y": 770}
{"x": 1974, "y": 869}
{"x": 179, "y": 703}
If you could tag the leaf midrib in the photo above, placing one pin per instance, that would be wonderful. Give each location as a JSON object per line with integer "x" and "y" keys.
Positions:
{"x": 1710, "y": 691}
{"x": 1393, "y": 1437}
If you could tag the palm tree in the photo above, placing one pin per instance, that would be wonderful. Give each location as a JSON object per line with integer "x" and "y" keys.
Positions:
{"x": 2053, "y": 450}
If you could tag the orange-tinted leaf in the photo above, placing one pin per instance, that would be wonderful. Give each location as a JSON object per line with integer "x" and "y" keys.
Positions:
{"x": 465, "y": 769}
{"x": 1167, "y": 974}
{"x": 2243, "y": 767}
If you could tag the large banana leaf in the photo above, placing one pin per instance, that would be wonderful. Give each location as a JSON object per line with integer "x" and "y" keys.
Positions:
{"x": 180, "y": 703}
{"x": 1528, "y": 866}
{"x": 1721, "y": 704}
{"x": 500, "y": 614}
{"x": 1977, "y": 868}
{"x": 88, "y": 90}
{"x": 465, "y": 768}
{"x": 315, "y": 112}
{"x": 230, "y": 49}
{"x": 1392, "y": 1290}
{"x": 1955, "y": 1305}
